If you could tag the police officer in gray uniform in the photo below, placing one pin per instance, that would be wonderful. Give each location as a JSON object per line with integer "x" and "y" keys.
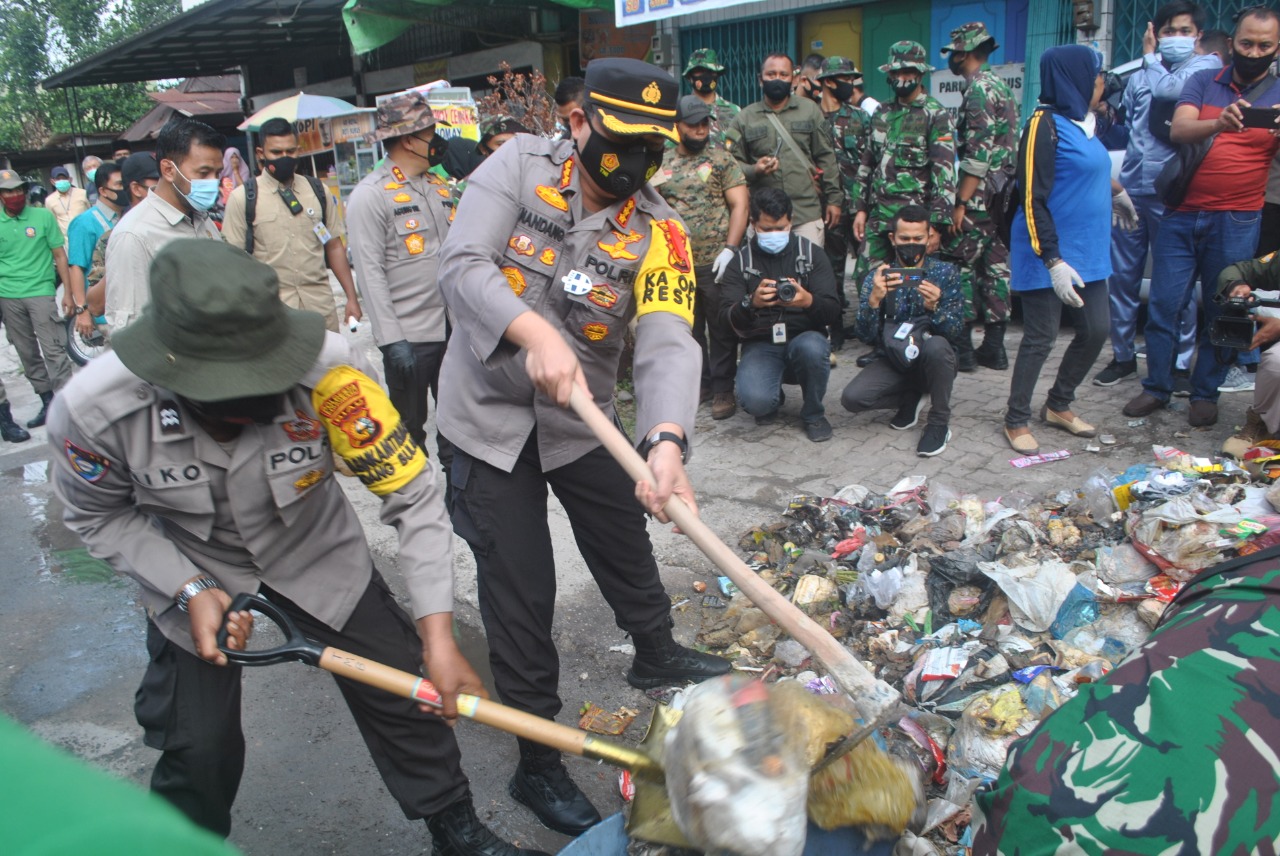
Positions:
{"x": 197, "y": 457}
{"x": 397, "y": 219}
{"x": 557, "y": 246}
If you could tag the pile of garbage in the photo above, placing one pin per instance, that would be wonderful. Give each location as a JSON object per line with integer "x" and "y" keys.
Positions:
{"x": 986, "y": 615}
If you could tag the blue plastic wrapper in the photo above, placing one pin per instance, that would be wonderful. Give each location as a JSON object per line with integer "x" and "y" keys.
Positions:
{"x": 1027, "y": 675}
{"x": 1080, "y": 608}
{"x": 727, "y": 587}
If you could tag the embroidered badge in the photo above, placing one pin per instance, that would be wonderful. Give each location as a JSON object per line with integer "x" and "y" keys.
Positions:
{"x": 170, "y": 418}
{"x": 624, "y": 214}
{"x": 576, "y": 282}
{"x": 603, "y": 296}
{"x": 398, "y": 173}
{"x": 31, "y": 232}
{"x": 443, "y": 191}
{"x": 392, "y": 185}
{"x": 677, "y": 245}
{"x": 618, "y": 249}
{"x": 515, "y": 279}
{"x": 411, "y": 223}
{"x": 90, "y": 466}
{"x": 652, "y": 94}
{"x": 595, "y": 332}
{"x": 522, "y": 244}
{"x": 548, "y": 257}
{"x": 310, "y": 479}
{"x": 402, "y": 197}
{"x": 552, "y": 197}
{"x": 302, "y": 428}
{"x": 414, "y": 244}
{"x": 608, "y": 162}
{"x": 566, "y": 174}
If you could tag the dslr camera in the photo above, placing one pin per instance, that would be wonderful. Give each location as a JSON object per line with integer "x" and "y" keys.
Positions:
{"x": 786, "y": 289}
{"x": 1236, "y": 324}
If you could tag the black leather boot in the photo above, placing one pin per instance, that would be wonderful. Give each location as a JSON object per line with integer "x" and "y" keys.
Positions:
{"x": 543, "y": 785}
{"x": 991, "y": 353}
{"x": 457, "y": 831}
{"x": 45, "y": 398}
{"x": 11, "y": 431}
{"x": 966, "y": 360}
{"x": 661, "y": 662}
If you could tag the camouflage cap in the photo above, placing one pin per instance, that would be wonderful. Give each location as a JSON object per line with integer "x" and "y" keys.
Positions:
{"x": 838, "y": 66}
{"x": 495, "y": 125}
{"x": 10, "y": 180}
{"x": 403, "y": 113}
{"x": 907, "y": 54}
{"x": 970, "y": 37}
{"x": 704, "y": 58}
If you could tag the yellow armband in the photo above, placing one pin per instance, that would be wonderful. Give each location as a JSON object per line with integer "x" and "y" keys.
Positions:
{"x": 366, "y": 430}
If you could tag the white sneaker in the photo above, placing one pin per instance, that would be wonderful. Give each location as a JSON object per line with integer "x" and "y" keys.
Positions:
{"x": 1237, "y": 380}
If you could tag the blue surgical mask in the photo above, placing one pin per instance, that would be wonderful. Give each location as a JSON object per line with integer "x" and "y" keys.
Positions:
{"x": 773, "y": 242}
{"x": 1175, "y": 49}
{"x": 203, "y": 193}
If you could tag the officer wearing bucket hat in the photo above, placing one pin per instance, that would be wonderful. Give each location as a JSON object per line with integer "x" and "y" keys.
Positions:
{"x": 703, "y": 71}
{"x": 557, "y": 246}
{"x": 197, "y": 457}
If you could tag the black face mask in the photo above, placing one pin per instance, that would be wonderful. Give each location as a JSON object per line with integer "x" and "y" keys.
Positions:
{"x": 636, "y": 164}
{"x": 694, "y": 145}
{"x": 843, "y": 91}
{"x": 776, "y": 90}
{"x": 1252, "y": 67}
{"x": 955, "y": 62}
{"x": 903, "y": 86}
{"x": 703, "y": 82}
{"x": 251, "y": 410}
{"x": 910, "y": 255}
{"x": 282, "y": 169}
{"x": 116, "y": 198}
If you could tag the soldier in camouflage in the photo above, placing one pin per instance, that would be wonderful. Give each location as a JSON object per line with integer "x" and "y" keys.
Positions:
{"x": 1174, "y": 751}
{"x": 703, "y": 73}
{"x": 986, "y": 146}
{"x": 849, "y": 127}
{"x": 909, "y": 159}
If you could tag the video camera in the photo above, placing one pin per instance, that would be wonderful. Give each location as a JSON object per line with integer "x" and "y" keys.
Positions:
{"x": 1236, "y": 324}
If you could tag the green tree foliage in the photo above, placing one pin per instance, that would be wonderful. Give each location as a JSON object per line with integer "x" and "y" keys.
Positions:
{"x": 41, "y": 37}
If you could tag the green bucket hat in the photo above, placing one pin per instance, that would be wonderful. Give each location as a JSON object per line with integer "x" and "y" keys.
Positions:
{"x": 968, "y": 37}
{"x": 215, "y": 327}
{"x": 907, "y": 54}
{"x": 704, "y": 58}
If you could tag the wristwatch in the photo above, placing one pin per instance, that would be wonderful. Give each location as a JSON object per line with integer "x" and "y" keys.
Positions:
{"x": 659, "y": 436}
{"x": 81, "y": 310}
{"x": 194, "y": 588}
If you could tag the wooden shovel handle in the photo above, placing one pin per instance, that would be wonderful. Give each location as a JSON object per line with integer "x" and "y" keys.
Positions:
{"x": 871, "y": 695}
{"x": 490, "y": 713}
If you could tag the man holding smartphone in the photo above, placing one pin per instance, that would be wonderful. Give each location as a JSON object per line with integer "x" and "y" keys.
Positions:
{"x": 910, "y": 310}
{"x": 779, "y": 295}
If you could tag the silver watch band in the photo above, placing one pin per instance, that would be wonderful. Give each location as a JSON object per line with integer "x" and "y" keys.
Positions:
{"x": 194, "y": 588}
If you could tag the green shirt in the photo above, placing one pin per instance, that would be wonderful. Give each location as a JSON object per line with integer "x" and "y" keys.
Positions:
{"x": 27, "y": 243}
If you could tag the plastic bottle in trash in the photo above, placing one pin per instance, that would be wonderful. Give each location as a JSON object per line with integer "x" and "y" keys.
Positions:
{"x": 1080, "y": 608}
{"x": 867, "y": 561}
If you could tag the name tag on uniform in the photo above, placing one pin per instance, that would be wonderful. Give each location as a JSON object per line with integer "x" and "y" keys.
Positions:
{"x": 780, "y": 333}
{"x": 322, "y": 233}
{"x": 904, "y": 330}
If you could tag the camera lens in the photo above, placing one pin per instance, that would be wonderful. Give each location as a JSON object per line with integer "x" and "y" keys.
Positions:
{"x": 786, "y": 291}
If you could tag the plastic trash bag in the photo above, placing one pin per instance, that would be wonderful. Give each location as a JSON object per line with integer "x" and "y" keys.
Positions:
{"x": 989, "y": 724}
{"x": 1035, "y": 592}
{"x": 955, "y": 570}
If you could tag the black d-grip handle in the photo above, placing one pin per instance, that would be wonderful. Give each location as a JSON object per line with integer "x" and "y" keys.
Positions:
{"x": 295, "y": 646}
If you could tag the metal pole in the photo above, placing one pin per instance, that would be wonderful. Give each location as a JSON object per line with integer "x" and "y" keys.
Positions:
{"x": 78, "y": 131}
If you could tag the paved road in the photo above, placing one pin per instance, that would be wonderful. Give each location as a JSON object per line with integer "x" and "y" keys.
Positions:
{"x": 72, "y": 643}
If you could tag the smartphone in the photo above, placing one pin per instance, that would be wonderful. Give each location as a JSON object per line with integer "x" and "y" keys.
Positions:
{"x": 1260, "y": 117}
{"x": 778, "y": 150}
{"x": 911, "y": 277}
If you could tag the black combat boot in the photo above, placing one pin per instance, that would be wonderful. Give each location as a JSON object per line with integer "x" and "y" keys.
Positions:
{"x": 45, "y": 398}
{"x": 543, "y": 785}
{"x": 661, "y": 662}
{"x": 991, "y": 353}
{"x": 457, "y": 831}
{"x": 11, "y": 431}
{"x": 966, "y": 359}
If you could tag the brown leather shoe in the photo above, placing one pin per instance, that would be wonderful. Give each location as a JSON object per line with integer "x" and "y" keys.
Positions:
{"x": 1143, "y": 404}
{"x": 1074, "y": 425}
{"x": 723, "y": 406}
{"x": 1203, "y": 414}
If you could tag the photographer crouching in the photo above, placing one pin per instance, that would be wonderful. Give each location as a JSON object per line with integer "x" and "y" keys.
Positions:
{"x": 779, "y": 296}
{"x": 909, "y": 310}
{"x": 1248, "y": 296}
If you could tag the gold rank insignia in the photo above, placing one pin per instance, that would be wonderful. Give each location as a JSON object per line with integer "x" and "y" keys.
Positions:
{"x": 595, "y": 332}
{"x": 624, "y": 215}
{"x": 566, "y": 174}
{"x": 515, "y": 279}
{"x": 402, "y": 197}
{"x": 548, "y": 257}
{"x": 523, "y": 245}
{"x": 552, "y": 197}
{"x": 415, "y": 244}
{"x": 651, "y": 94}
{"x": 392, "y": 185}
{"x": 618, "y": 249}
{"x": 398, "y": 173}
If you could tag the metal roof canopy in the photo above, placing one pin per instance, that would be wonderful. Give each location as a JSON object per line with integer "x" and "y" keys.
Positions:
{"x": 212, "y": 37}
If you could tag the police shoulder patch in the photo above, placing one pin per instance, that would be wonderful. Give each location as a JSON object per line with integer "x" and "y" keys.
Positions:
{"x": 90, "y": 466}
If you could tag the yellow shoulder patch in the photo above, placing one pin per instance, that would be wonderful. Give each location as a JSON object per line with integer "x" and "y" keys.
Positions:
{"x": 666, "y": 282}
{"x": 366, "y": 431}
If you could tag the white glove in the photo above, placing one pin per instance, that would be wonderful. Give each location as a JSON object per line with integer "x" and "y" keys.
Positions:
{"x": 1065, "y": 282}
{"x": 1123, "y": 214}
{"x": 721, "y": 264}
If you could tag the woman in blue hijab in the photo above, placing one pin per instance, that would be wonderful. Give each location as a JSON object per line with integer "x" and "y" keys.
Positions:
{"x": 1059, "y": 246}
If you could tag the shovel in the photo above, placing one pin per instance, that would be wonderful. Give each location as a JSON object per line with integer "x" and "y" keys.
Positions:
{"x": 874, "y": 698}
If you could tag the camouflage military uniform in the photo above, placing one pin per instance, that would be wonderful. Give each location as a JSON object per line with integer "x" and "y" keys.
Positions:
{"x": 1174, "y": 752}
{"x": 722, "y": 110}
{"x": 986, "y": 145}
{"x": 909, "y": 159}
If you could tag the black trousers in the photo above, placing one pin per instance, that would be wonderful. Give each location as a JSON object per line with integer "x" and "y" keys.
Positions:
{"x": 410, "y": 396}
{"x": 880, "y": 386}
{"x": 190, "y": 710}
{"x": 713, "y": 334}
{"x": 1269, "y": 231}
{"x": 503, "y": 516}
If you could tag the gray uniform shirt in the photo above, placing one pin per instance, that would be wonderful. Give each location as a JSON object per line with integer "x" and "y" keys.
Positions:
{"x": 395, "y": 228}
{"x": 519, "y": 232}
{"x": 154, "y": 495}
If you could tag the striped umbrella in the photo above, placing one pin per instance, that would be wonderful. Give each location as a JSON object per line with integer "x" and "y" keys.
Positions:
{"x": 301, "y": 106}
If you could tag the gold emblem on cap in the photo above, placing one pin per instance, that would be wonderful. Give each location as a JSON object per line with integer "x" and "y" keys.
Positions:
{"x": 652, "y": 94}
